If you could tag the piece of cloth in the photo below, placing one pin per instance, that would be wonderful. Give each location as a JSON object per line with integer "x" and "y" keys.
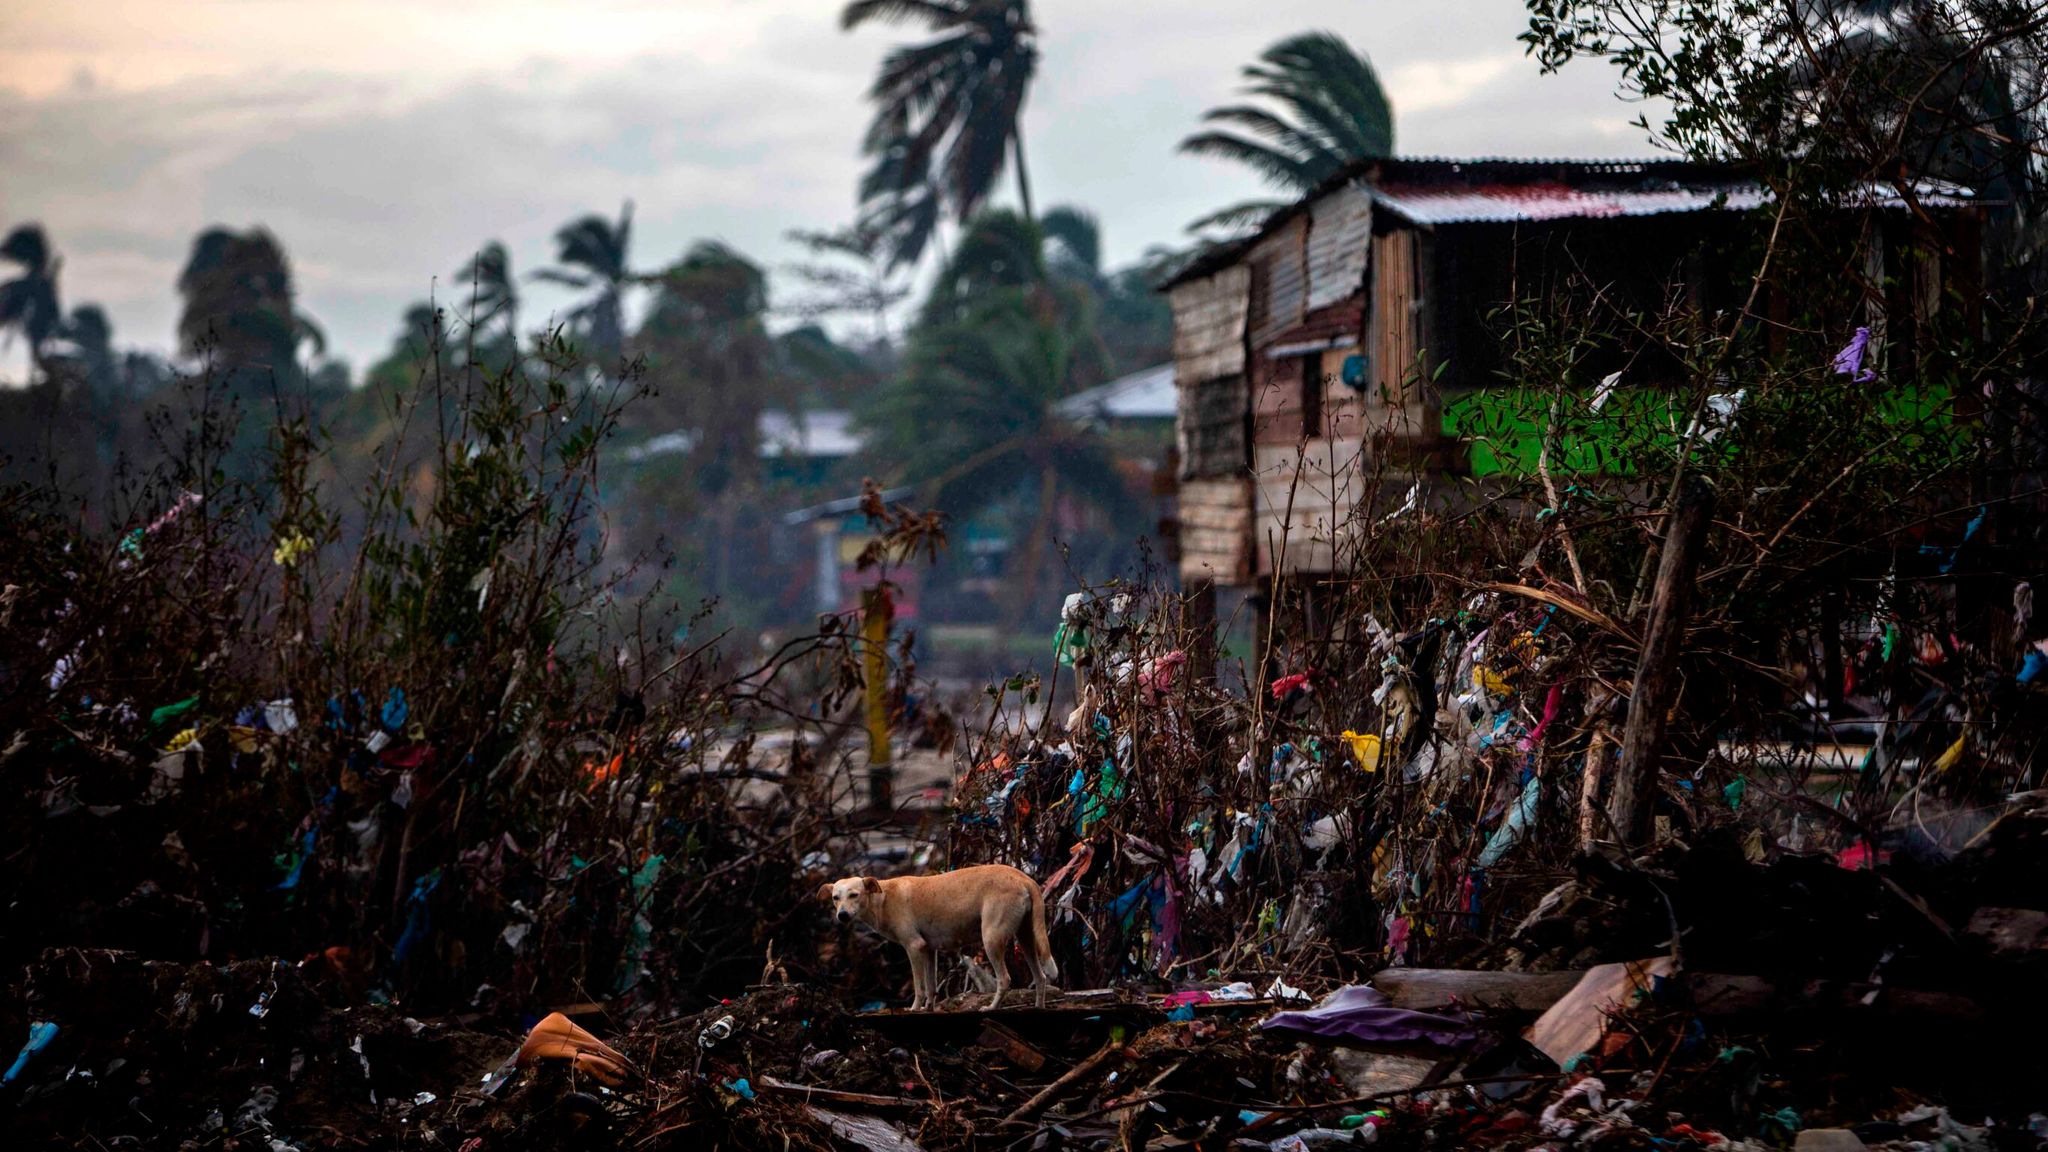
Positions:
{"x": 1364, "y": 1014}
{"x": 1849, "y": 361}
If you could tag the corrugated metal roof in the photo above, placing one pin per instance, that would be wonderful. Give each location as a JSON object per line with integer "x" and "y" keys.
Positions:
{"x": 1431, "y": 204}
{"x": 1550, "y": 200}
{"x": 1147, "y": 394}
{"x": 826, "y": 433}
{"x": 822, "y": 433}
{"x": 1608, "y": 182}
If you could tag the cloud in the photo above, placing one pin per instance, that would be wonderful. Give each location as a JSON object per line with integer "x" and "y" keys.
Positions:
{"x": 383, "y": 142}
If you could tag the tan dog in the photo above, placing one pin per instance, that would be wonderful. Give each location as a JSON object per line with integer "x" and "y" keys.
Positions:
{"x": 990, "y": 905}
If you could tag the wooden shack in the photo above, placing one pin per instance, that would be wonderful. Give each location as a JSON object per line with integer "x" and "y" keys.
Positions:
{"x": 1315, "y": 360}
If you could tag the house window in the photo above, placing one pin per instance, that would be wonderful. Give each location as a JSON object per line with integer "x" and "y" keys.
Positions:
{"x": 1312, "y": 396}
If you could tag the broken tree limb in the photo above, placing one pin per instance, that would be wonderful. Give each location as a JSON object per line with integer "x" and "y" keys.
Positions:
{"x": 1593, "y": 784}
{"x": 1656, "y": 680}
{"x": 1051, "y": 1092}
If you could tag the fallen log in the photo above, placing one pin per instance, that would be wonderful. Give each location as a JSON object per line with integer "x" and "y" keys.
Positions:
{"x": 1425, "y": 988}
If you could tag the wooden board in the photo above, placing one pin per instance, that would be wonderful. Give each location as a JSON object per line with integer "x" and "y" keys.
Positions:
{"x": 1305, "y": 496}
{"x": 1279, "y": 283}
{"x": 1279, "y": 399}
{"x": 1208, "y": 325}
{"x": 1215, "y": 529}
{"x": 1397, "y": 343}
{"x": 1574, "y": 1024}
{"x": 1426, "y": 988}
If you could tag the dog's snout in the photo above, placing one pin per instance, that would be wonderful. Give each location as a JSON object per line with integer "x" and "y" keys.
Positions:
{"x": 844, "y": 915}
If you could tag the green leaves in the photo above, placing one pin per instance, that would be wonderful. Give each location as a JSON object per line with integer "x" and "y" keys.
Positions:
{"x": 1328, "y": 111}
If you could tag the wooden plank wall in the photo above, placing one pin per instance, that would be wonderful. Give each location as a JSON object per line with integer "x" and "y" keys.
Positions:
{"x": 1344, "y": 407}
{"x": 1281, "y": 263}
{"x": 1398, "y": 340}
{"x": 1215, "y": 529}
{"x": 1208, "y": 370}
{"x": 1306, "y": 493}
{"x": 1391, "y": 324}
{"x": 1277, "y": 400}
{"x": 1208, "y": 325}
{"x": 1211, "y": 427}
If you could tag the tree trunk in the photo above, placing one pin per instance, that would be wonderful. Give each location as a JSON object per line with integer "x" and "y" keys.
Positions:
{"x": 1656, "y": 683}
{"x": 1023, "y": 177}
{"x": 1034, "y": 549}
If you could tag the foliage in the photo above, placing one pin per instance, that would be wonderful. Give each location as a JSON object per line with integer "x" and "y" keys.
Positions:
{"x": 1331, "y": 112}
{"x": 593, "y": 254}
{"x": 28, "y": 303}
{"x": 1827, "y": 99}
{"x": 395, "y": 728}
{"x": 869, "y": 289}
{"x": 241, "y": 310}
{"x": 947, "y": 112}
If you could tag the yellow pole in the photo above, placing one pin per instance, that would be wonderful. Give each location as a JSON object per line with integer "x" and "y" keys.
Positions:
{"x": 877, "y": 612}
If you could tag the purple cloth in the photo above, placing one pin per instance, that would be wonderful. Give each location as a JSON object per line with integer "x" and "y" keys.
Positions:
{"x": 1365, "y": 1014}
{"x": 1849, "y": 361}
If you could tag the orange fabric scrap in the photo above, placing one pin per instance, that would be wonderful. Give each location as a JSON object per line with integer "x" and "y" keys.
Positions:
{"x": 556, "y": 1038}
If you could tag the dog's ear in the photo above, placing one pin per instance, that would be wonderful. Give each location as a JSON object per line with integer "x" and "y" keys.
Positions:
{"x": 825, "y": 890}
{"x": 871, "y": 884}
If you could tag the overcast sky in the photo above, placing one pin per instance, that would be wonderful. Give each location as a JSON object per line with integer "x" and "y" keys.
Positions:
{"x": 384, "y": 140}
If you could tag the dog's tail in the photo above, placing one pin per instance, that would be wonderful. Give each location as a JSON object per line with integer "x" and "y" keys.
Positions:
{"x": 1041, "y": 941}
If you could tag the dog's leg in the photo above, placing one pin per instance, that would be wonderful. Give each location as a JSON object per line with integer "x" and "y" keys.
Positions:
{"x": 996, "y": 942}
{"x": 931, "y": 980}
{"x": 920, "y": 978}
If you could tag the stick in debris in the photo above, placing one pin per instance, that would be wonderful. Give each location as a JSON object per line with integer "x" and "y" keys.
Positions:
{"x": 1656, "y": 683}
{"x": 1045, "y": 1097}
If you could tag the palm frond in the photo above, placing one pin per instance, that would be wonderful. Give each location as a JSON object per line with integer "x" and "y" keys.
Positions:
{"x": 1272, "y": 163}
{"x": 1244, "y": 216}
{"x": 563, "y": 277}
{"x": 1315, "y": 155}
{"x": 936, "y": 13}
{"x": 27, "y": 246}
{"x": 1077, "y": 232}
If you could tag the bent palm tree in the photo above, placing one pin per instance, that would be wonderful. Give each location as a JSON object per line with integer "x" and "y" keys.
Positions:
{"x": 28, "y": 303}
{"x": 952, "y": 104}
{"x": 239, "y": 303}
{"x": 593, "y": 256}
{"x": 492, "y": 291}
{"x": 975, "y": 419}
{"x": 1332, "y": 111}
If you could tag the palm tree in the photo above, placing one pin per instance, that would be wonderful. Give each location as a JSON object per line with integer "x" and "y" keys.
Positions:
{"x": 712, "y": 369}
{"x": 711, "y": 360}
{"x": 593, "y": 256}
{"x": 239, "y": 306}
{"x": 975, "y": 420}
{"x": 28, "y": 303}
{"x": 1332, "y": 111}
{"x": 1073, "y": 241}
{"x": 952, "y": 104}
{"x": 1133, "y": 325}
{"x": 492, "y": 291}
